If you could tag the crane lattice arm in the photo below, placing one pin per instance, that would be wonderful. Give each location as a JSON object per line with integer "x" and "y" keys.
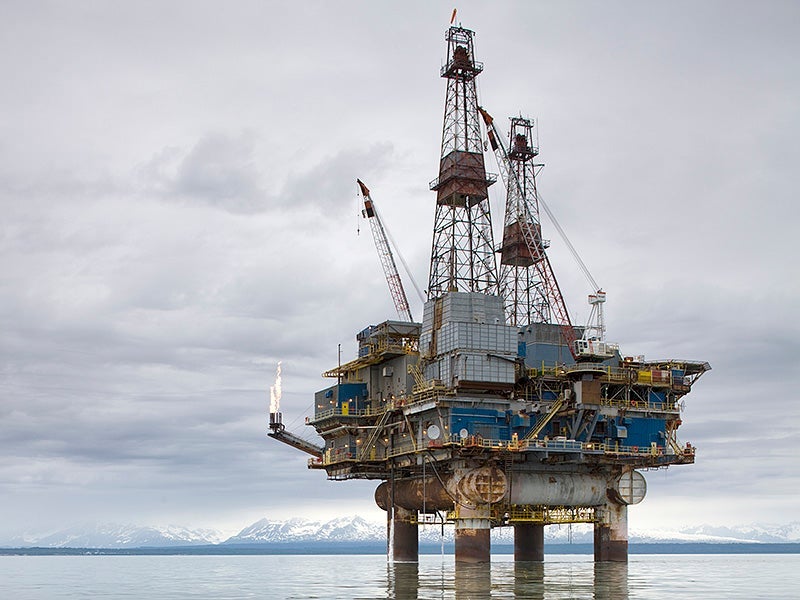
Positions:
{"x": 523, "y": 218}
{"x": 385, "y": 254}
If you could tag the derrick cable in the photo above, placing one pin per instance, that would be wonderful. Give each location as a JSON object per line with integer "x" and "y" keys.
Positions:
{"x": 571, "y": 248}
{"x": 403, "y": 261}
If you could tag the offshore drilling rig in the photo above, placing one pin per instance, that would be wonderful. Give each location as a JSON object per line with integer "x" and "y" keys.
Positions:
{"x": 495, "y": 410}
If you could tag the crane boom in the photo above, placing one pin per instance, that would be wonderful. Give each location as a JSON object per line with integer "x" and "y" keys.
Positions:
{"x": 524, "y": 222}
{"x": 399, "y": 297}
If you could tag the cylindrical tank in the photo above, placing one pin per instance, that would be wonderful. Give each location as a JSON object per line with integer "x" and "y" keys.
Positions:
{"x": 548, "y": 489}
{"x": 558, "y": 489}
{"x": 415, "y": 494}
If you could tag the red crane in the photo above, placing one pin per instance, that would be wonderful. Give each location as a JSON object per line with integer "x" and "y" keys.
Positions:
{"x": 399, "y": 297}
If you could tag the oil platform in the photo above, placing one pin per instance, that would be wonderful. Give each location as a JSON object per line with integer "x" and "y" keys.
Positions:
{"x": 496, "y": 410}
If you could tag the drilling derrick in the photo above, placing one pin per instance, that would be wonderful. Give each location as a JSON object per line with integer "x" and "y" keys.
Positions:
{"x": 473, "y": 417}
{"x": 527, "y": 280}
{"x": 462, "y": 256}
{"x": 522, "y": 247}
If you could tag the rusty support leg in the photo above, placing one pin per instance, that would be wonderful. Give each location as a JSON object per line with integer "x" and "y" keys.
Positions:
{"x": 473, "y": 543}
{"x": 405, "y": 540}
{"x": 611, "y": 534}
{"x": 528, "y": 542}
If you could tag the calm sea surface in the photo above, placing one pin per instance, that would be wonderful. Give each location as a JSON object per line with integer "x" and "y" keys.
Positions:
{"x": 561, "y": 576}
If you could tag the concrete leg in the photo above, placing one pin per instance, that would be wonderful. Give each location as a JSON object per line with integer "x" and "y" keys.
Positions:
{"x": 405, "y": 541}
{"x": 473, "y": 543}
{"x": 528, "y": 542}
{"x": 611, "y": 534}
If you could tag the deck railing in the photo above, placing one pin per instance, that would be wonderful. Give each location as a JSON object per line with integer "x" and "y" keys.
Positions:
{"x": 514, "y": 445}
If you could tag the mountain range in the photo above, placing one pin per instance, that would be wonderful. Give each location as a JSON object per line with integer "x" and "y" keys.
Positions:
{"x": 355, "y": 529}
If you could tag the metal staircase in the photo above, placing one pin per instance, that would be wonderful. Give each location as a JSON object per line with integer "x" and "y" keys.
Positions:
{"x": 545, "y": 419}
{"x": 363, "y": 453}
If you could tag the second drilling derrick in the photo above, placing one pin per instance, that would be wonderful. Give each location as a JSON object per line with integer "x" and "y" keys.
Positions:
{"x": 522, "y": 247}
{"x": 491, "y": 412}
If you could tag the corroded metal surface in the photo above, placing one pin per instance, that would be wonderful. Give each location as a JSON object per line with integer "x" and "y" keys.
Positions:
{"x": 629, "y": 488}
{"x": 405, "y": 538}
{"x": 558, "y": 489}
{"x": 483, "y": 485}
{"x": 608, "y": 550}
{"x": 490, "y": 485}
{"x": 473, "y": 545}
{"x": 611, "y": 534}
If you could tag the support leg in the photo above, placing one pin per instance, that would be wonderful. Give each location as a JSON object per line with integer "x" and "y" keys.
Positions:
{"x": 611, "y": 534}
{"x": 405, "y": 540}
{"x": 473, "y": 543}
{"x": 528, "y": 542}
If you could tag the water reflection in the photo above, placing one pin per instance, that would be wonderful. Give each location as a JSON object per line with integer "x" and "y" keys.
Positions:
{"x": 403, "y": 581}
{"x": 473, "y": 581}
{"x": 529, "y": 580}
{"x": 611, "y": 581}
{"x": 507, "y": 579}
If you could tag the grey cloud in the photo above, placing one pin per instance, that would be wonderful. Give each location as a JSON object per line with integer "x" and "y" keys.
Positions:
{"x": 332, "y": 183}
{"x": 223, "y": 171}
{"x": 167, "y": 241}
{"x": 219, "y": 170}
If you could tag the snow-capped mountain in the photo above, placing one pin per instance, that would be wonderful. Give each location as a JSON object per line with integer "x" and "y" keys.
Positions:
{"x": 342, "y": 529}
{"x": 356, "y": 529}
{"x": 788, "y": 533}
{"x": 111, "y": 535}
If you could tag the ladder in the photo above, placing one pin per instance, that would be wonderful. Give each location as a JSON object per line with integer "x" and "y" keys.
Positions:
{"x": 416, "y": 372}
{"x": 545, "y": 419}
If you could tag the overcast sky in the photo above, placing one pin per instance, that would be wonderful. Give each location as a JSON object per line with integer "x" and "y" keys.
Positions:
{"x": 180, "y": 213}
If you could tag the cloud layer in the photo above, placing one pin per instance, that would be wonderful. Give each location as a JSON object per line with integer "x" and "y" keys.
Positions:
{"x": 180, "y": 213}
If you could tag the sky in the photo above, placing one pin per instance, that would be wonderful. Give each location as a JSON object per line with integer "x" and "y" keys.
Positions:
{"x": 180, "y": 213}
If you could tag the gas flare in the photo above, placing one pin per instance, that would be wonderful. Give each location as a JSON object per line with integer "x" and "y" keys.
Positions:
{"x": 275, "y": 392}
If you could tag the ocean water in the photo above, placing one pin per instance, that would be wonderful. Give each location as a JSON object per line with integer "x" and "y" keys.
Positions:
{"x": 357, "y": 576}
